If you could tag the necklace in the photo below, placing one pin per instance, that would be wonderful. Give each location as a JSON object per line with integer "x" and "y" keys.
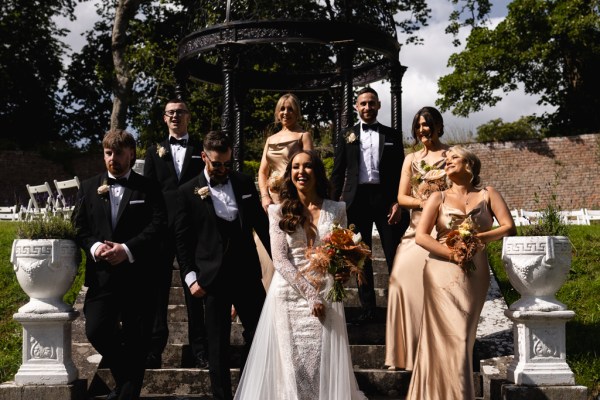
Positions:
{"x": 467, "y": 197}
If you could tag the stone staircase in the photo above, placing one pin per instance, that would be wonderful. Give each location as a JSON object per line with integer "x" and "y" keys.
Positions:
{"x": 177, "y": 381}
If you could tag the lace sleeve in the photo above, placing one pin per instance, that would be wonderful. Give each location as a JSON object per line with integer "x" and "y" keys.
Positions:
{"x": 279, "y": 252}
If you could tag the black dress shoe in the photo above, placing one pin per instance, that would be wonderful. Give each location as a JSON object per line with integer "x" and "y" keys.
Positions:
{"x": 114, "y": 394}
{"x": 153, "y": 361}
{"x": 201, "y": 360}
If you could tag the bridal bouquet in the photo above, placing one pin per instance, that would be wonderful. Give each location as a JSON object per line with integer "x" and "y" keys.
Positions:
{"x": 429, "y": 179}
{"x": 464, "y": 244}
{"x": 343, "y": 253}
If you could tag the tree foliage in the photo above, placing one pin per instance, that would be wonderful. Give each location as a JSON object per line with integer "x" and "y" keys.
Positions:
{"x": 550, "y": 47}
{"x": 497, "y": 130}
{"x": 30, "y": 70}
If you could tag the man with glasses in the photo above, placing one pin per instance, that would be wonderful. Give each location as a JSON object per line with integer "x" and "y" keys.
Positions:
{"x": 171, "y": 163}
{"x": 217, "y": 213}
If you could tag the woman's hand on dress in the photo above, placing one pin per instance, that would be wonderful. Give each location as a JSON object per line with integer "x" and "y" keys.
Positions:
{"x": 318, "y": 310}
{"x": 266, "y": 201}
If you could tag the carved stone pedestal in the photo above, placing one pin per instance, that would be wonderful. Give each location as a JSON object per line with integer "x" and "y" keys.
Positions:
{"x": 46, "y": 349}
{"x": 540, "y": 349}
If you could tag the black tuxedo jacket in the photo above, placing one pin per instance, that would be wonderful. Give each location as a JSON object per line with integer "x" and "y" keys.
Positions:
{"x": 141, "y": 222}
{"x": 162, "y": 170}
{"x": 344, "y": 176}
{"x": 199, "y": 244}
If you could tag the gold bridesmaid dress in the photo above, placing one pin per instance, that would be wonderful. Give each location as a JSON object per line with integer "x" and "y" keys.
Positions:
{"x": 452, "y": 305}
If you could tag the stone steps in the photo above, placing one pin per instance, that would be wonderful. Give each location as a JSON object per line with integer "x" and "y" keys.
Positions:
{"x": 175, "y": 381}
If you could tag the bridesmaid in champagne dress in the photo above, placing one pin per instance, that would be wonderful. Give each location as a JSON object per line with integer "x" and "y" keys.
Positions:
{"x": 453, "y": 296}
{"x": 405, "y": 292}
{"x": 276, "y": 153}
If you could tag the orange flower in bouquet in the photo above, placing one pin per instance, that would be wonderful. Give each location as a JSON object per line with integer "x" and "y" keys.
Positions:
{"x": 464, "y": 244}
{"x": 342, "y": 253}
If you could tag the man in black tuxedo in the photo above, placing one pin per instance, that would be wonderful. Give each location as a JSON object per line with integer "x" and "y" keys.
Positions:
{"x": 120, "y": 219}
{"x": 366, "y": 174}
{"x": 216, "y": 215}
{"x": 171, "y": 163}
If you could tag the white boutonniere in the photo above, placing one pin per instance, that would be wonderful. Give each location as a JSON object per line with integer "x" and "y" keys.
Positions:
{"x": 161, "y": 151}
{"x": 104, "y": 188}
{"x": 351, "y": 137}
{"x": 203, "y": 192}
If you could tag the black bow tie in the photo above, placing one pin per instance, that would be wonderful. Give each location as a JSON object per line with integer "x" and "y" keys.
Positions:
{"x": 214, "y": 183}
{"x": 118, "y": 181}
{"x": 370, "y": 127}
{"x": 181, "y": 142}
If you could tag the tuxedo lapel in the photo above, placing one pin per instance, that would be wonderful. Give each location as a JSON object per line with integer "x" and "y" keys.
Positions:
{"x": 237, "y": 191}
{"x": 186, "y": 160}
{"x": 105, "y": 200}
{"x": 124, "y": 201}
{"x": 210, "y": 206}
{"x": 168, "y": 158}
{"x": 381, "y": 145}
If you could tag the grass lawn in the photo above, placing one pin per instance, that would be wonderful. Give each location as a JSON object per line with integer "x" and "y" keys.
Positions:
{"x": 581, "y": 293}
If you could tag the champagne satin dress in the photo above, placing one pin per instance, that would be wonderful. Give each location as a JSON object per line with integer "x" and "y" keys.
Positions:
{"x": 278, "y": 155}
{"x": 452, "y": 305}
{"x": 405, "y": 292}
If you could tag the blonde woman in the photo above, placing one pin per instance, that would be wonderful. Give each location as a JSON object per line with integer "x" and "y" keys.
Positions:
{"x": 278, "y": 148}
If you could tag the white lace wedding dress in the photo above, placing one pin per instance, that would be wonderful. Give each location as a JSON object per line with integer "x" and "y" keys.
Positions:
{"x": 294, "y": 355}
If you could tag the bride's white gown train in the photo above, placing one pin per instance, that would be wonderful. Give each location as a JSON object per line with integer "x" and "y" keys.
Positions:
{"x": 294, "y": 355}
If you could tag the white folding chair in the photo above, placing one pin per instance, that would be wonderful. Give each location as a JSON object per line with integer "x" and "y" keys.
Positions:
{"x": 574, "y": 217}
{"x": 41, "y": 201}
{"x": 61, "y": 204}
{"x": 592, "y": 215}
{"x": 9, "y": 213}
{"x": 531, "y": 216}
{"x": 519, "y": 220}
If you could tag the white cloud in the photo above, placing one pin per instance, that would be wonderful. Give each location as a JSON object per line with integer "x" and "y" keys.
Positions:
{"x": 427, "y": 63}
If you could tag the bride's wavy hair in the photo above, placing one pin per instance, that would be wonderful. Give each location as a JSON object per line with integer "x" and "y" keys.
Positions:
{"x": 473, "y": 163}
{"x": 292, "y": 209}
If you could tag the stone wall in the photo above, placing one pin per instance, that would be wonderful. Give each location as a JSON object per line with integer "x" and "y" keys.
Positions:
{"x": 564, "y": 166}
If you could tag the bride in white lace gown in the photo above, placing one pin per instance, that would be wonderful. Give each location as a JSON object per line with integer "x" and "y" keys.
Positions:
{"x": 300, "y": 348}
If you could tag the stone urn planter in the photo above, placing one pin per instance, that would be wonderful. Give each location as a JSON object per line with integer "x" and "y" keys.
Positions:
{"x": 45, "y": 269}
{"x": 537, "y": 266}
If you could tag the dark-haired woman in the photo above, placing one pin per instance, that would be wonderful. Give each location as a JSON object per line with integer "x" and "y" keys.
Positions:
{"x": 300, "y": 349}
{"x": 405, "y": 295}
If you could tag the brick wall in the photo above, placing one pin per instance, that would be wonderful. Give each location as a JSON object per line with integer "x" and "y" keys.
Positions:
{"x": 517, "y": 169}
{"x": 565, "y": 166}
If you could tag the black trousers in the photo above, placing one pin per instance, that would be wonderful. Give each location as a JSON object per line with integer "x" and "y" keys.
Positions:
{"x": 194, "y": 305}
{"x": 118, "y": 325}
{"x": 247, "y": 295}
{"x": 368, "y": 208}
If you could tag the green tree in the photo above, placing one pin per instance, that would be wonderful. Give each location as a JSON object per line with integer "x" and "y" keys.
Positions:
{"x": 30, "y": 70}
{"x": 497, "y": 130}
{"x": 550, "y": 47}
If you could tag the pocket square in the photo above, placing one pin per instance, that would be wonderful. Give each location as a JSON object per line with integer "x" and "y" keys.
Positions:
{"x": 245, "y": 196}
{"x": 388, "y": 144}
{"x": 196, "y": 156}
{"x": 137, "y": 201}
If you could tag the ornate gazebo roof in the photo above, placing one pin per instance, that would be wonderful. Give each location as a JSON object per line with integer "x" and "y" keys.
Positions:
{"x": 343, "y": 44}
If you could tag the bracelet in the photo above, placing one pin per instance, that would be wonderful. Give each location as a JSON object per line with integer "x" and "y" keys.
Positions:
{"x": 265, "y": 195}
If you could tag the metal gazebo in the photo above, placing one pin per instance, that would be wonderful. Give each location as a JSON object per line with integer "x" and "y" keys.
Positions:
{"x": 356, "y": 43}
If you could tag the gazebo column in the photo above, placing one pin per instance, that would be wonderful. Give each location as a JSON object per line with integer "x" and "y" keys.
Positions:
{"x": 238, "y": 138}
{"x": 346, "y": 54}
{"x": 397, "y": 72}
{"x": 228, "y": 54}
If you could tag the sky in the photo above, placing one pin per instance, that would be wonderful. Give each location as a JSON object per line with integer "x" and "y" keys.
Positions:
{"x": 425, "y": 65}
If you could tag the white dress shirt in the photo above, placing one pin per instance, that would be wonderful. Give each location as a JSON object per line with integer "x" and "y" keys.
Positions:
{"x": 178, "y": 153}
{"x": 368, "y": 168}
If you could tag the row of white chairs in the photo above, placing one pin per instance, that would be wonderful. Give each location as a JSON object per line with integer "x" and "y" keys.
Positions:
{"x": 583, "y": 216}
{"x": 43, "y": 202}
